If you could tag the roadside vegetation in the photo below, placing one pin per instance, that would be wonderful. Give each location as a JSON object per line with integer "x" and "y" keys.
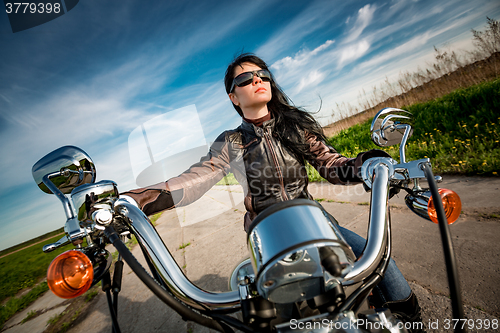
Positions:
{"x": 455, "y": 103}
{"x": 25, "y": 268}
{"x": 228, "y": 179}
{"x": 16, "y": 304}
{"x": 459, "y": 132}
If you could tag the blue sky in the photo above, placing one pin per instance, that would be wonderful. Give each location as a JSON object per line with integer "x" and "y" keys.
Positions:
{"x": 91, "y": 76}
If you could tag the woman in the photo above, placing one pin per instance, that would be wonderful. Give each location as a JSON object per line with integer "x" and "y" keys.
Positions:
{"x": 267, "y": 154}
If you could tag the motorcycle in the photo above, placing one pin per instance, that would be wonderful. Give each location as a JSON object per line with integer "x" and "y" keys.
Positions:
{"x": 309, "y": 271}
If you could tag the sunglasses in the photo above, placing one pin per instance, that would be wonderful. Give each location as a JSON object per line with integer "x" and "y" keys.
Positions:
{"x": 246, "y": 78}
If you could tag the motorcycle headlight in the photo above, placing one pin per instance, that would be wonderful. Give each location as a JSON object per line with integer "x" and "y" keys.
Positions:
{"x": 286, "y": 242}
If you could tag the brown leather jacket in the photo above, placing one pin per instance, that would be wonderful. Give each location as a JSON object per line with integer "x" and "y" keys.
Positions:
{"x": 268, "y": 171}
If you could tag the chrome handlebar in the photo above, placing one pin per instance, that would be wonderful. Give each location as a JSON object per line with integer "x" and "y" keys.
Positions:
{"x": 377, "y": 238}
{"x": 377, "y": 241}
{"x": 167, "y": 267}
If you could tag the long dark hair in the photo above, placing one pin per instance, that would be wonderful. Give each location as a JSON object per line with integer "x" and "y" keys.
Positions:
{"x": 290, "y": 121}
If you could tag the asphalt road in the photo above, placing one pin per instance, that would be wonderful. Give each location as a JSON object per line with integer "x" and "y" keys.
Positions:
{"x": 217, "y": 242}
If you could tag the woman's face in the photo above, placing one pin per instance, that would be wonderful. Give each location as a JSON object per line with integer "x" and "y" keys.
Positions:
{"x": 254, "y": 95}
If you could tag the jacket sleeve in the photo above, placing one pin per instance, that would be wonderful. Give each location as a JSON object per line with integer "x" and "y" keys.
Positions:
{"x": 188, "y": 186}
{"x": 334, "y": 167}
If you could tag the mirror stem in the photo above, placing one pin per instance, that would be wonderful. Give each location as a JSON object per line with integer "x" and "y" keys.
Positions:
{"x": 65, "y": 201}
{"x": 402, "y": 156}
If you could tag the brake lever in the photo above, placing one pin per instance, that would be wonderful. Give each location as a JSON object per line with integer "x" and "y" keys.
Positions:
{"x": 61, "y": 242}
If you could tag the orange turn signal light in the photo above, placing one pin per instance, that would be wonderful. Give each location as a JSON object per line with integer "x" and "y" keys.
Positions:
{"x": 451, "y": 204}
{"x": 70, "y": 274}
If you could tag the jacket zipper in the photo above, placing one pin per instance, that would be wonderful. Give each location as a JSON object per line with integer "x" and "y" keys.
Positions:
{"x": 276, "y": 165}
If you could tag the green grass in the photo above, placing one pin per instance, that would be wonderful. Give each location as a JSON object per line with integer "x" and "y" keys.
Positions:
{"x": 55, "y": 318}
{"x": 459, "y": 132}
{"x": 154, "y": 218}
{"x": 91, "y": 294}
{"x": 184, "y": 245}
{"x": 15, "y": 304}
{"x": 25, "y": 268}
{"x": 228, "y": 179}
{"x": 30, "y": 315}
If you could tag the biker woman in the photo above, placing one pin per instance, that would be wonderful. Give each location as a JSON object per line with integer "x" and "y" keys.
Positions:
{"x": 267, "y": 155}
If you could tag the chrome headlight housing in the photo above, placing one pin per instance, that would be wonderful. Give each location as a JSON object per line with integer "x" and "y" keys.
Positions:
{"x": 285, "y": 243}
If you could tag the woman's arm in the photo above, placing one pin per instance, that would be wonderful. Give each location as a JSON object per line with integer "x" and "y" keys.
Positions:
{"x": 334, "y": 167}
{"x": 190, "y": 185}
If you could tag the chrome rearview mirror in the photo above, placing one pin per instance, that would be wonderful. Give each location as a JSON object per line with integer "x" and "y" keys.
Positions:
{"x": 66, "y": 168}
{"x": 392, "y": 126}
{"x": 59, "y": 172}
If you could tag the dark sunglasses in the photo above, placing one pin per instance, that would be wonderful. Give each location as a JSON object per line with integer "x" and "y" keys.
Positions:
{"x": 246, "y": 78}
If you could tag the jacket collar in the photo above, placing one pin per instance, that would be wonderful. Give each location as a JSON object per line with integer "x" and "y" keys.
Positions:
{"x": 259, "y": 131}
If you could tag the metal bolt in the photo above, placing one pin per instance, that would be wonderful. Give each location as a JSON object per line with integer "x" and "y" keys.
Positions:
{"x": 103, "y": 217}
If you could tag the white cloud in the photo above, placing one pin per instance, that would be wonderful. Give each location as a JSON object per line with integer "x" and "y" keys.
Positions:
{"x": 301, "y": 58}
{"x": 353, "y": 52}
{"x": 398, "y": 51}
{"x": 385, "y": 58}
{"x": 304, "y": 71}
{"x": 312, "y": 79}
{"x": 365, "y": 16}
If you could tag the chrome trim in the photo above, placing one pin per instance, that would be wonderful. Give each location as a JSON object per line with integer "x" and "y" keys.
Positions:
{"x": 73, "y": 230}
{"x": 243, "y": 270}
{"x": 68, "y": 209}
{"x": 418, "y": 203}
{"x": 369, "y": 166}
{"x": 51, "y": 247}
{"x": 167, "y": 267}
{"x": 392, "y": 126}
{"x": 406, "y": 135}
{"x": 387, "y": 132}
{"x": 385, "y": 111}
{"x": 288, "y": 268}
{"x": 413, "y": 168}
{"x": 377, "y": 238}
{"x": 387, "y": 126}
{"x": 300, "y": 224}
{"x": 86, "y": 198}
